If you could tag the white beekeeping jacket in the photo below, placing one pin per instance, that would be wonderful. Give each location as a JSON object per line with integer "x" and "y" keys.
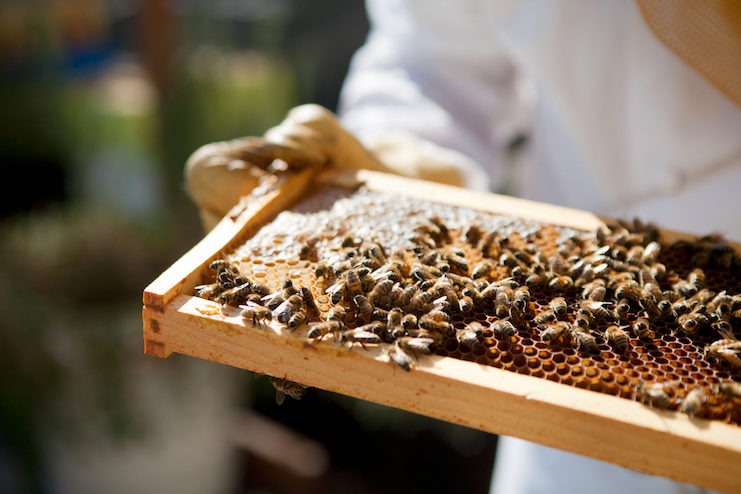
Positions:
{"x": 621, "y": 126}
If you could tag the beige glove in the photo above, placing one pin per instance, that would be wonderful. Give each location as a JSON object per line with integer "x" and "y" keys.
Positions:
{"x": 218, "y": 174}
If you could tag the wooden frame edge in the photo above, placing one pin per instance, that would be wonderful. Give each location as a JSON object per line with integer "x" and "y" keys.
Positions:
{"x": 585, "y": 422}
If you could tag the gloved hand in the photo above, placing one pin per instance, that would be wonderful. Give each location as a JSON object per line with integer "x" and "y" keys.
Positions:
{"x": 218, "y": 174}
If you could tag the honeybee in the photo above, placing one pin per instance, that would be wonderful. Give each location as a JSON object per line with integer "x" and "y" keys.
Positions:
{"x": 375, "y": 327}
{"x": 586, "y": 276}
{"x": 730, "y": 389}
{"x": 364, "y": 307}
{"x": 297, "y": 318}
{"x": 629, "y": 289}
{"x": 322, "y": 270}
{"x": 576, "y": 268}
{"x": 318, "y": 330}
{"x": 694, "y": 402}
{"x": 694, "y": 282}
{"x": 380, "y": 290}
{"x": 582, "y": 321}
{"x": 634, "y": 255}
{"x": 728, "y": 349}
{"x": 422, "y": 272}
{"x": 594, "y": 290}
{"x": 273, "y": 300}
{"x": 681, "y": 306}
{"x": 432, "y": 324}
{"x": 490, "y": 240}
{"x": 309, "y": 250}
{"x": 595, "y": 309}
{"x": 459, "y": 280}
{"x": 469, "y": 336}
{"x": 429, "y": 257}
{"x": 257, "y": 313}
{"x": 502, "y": 328}
{"x": 561, "y": 283}
{"x": 658, "y": 270}
{"x": 399, "y": 357}
{"x": 503, "y": 297}
{"x": 441, "y": 226}
{"x": 651, "y": 252}
{"x": 374, "y": 252}
{"x": 209, "y": 292}
{"x": 437, "y": 314}
{"x": 259, "y": 288}
{"x": 521, "y": 298}
{"x": 420, "y": 301}
{"x": 617, "y": 337}
{"x": 508, "y": 259}
{"x": 555, "y": 331}
{"x": 721, "y": 304}
{"x": 585, "y": 341}
{"x": 654, "y": 394}
{"x": 558, "y": 306}
{"x": 642, "y": 328}
{"x": 353, "y": 283}
{"x": 465, "y": 303}
{"x": 359, "y": 336}
{"x": 545, "y": 317}
{"x": 409, "y": 321}
{"x": 284, "y": 387}
{"x": 405, "y": 349}
{"x": 309, "y": 301}
{"x": 336, "y": 313}
{"x": 473, "y": 234}
{"x": 218, "y": 265}
{"x": 481, "y": 269}
{"x": 390, "y": 270}
{"x": 619, "y": 252}
{"x": 394, "y": 323}
{"x": 516, "y": 315}
{"x": 406, "y": 295}
{"x": 380, "y": 314}
{"x": 622, "y": 308}
{"x": 457, "y": 261}
{"x": 650, "y": 300}
{"x": 444, "y": 288}
{"x": 418, "y": 344}
{"x": 536, "y": 280}
{"x": 487, "y": 291}
{"x": 690, "y": 323}
{"x": 288, "y": 308}
{"x": 236, "y": 295}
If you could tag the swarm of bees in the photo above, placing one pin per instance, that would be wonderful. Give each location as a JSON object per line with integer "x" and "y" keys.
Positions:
{"x": 609, "y": 288}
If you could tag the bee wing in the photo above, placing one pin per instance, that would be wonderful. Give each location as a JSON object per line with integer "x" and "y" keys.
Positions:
{"x": 337, "y": 287}
{"x": 421, "y": 344}
{"x": 366, "y": 336}
{"x": 728, "y": 335}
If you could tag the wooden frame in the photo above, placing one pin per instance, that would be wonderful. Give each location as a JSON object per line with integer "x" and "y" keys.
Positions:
{"x": 620, "y": 431}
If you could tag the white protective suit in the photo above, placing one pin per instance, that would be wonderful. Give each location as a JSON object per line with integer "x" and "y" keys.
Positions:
{"x": 620, "y": 126}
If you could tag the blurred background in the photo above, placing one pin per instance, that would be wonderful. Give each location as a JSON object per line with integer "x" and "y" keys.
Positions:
{"x": 101, "y": 102}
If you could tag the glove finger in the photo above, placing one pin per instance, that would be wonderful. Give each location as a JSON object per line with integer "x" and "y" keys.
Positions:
{"x": 216, "y": 182}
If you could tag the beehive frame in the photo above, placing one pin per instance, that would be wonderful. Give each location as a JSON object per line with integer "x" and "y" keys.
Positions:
{"x": 609, "y": 428}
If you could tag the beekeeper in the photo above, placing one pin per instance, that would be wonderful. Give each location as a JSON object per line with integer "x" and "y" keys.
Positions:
{"x": 632, "y": 109}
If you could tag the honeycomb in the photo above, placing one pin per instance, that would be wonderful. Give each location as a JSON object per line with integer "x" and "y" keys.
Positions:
{"x": 659, "y": 369}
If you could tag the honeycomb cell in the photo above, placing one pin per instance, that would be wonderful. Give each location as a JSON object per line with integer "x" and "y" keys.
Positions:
{"x": 537, "y": 373}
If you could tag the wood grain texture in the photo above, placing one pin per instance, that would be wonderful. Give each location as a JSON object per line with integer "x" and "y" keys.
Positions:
{"x": 620, "y": 431}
